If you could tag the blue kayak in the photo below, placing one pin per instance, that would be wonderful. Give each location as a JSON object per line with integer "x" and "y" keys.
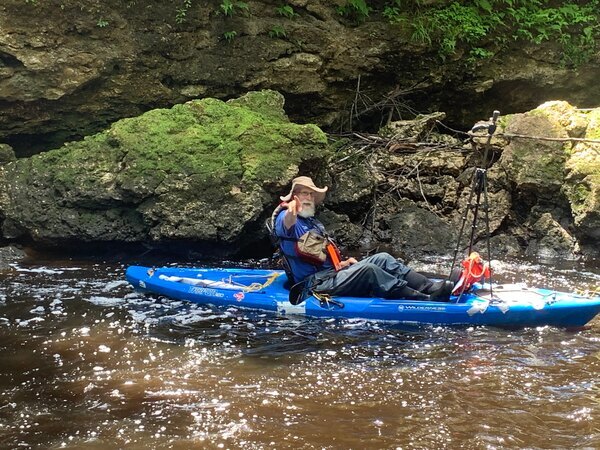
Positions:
{"x": 510, "y": 305}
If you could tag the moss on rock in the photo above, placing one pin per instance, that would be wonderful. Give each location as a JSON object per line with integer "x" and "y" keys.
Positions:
{"x": 536, "y": 167}
{"x": 583, "y": 181}
{"x": 6, "y": 154}
{"x": 200, "y": 170}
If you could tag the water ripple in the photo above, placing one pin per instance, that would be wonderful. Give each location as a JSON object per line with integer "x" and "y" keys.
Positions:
{"x": 88, "y": 363}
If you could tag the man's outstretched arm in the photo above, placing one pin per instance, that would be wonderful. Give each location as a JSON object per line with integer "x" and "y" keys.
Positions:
{"x": 291, "y": 214}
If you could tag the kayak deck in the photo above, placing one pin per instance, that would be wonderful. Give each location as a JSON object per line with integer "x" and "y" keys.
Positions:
{"x": 511, "y": 305}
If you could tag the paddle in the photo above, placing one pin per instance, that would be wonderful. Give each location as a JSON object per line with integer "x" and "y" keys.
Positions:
{"x": 298, "y": 293}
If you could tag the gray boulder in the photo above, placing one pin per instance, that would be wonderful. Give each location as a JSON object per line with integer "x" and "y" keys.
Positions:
{"x": 416, "y": 231}
{"x": 10, "y": 255}
{"x": 551, "y": 240}
{"x": 6, "y": 154}
{"x": 202, "y": 172}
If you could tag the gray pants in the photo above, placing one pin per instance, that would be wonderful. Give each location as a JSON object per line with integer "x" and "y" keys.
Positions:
{"x": 379, "y": 275}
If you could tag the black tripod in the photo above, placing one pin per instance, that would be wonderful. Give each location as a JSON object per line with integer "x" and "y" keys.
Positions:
{"x": 479, "y": 187}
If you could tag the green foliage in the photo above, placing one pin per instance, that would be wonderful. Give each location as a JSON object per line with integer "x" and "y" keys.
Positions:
{"x": 479, "y": 53}
{"x": 229, "y": 35}
{"x": 229, "y": 7}
{"x": 392, "y": 14}
{"x": 447, "y": 27}
{"x": 181, "y": 12}
{"x": 484, "y": 26}
{"x": 242, "y": 7}
{"x": 286, "y": 11}
{"x": 357, "y": 10}
{"x": 102, "y": 23}
{"x": 277, "y": 32}
{"x": 395, "y": 11}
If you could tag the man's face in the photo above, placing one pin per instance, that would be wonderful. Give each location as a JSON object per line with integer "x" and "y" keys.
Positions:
{"x": 306, "y": 197}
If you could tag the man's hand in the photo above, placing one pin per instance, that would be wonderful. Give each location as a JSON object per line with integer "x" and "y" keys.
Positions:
{"x": 295, "y": 206}
{"x": 347, "y": 262}
{"x": 291, "y": 215}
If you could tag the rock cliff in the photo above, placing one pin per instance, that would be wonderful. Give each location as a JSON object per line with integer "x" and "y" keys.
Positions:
{"x": 70, "y": 69}
{"x": 205, "y": 174}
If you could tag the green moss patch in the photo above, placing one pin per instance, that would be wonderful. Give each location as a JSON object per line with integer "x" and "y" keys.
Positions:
{"x": 175, "y": 166}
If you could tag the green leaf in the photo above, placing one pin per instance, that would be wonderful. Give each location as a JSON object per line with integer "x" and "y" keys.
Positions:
{"x": 485, "y": 5}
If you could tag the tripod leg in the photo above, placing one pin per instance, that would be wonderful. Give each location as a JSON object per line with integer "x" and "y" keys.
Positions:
{"x": 480, "y": 177}
{"x": 487, "y": 227}
{"x": 464, "y": 219}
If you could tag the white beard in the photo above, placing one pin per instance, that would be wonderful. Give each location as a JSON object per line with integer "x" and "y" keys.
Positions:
{"x": 308, "y": 210}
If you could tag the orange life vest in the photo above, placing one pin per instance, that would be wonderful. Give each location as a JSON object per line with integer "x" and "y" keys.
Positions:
{"x": 475, "y": 269}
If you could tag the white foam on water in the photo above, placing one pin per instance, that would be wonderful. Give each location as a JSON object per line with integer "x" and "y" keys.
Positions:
{"x": 43, "y": 269}
{"x": 25, "y": 323}
{"x": 105, "y": 301}
{"x": 186, "y": 319}
{"x": 142, "y": 317}
{"x": 114, "y": 284}
{"x": 354, "y": 323}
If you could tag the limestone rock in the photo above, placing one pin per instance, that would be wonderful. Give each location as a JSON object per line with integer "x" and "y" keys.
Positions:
{"x": 417, "y": 231}
{"x": 9, "y": 255}
{"x": 412, "y": 130}
{"x": 6, "y": 154}
{"x": 504, "y": 246}
{"x": 353, "y": 191}
{"x": 499, "y": 207}
{"x": 537, "y": 168}
{"x": 582, "y": 185}
{"x": 551, "y": 240}
{"x": 83, "y": 65}
{"x": 207, "y": 173}
{"x": 199, "y": 172}
{"x": 346, "y": 233}
{"x": 574, "y": 121}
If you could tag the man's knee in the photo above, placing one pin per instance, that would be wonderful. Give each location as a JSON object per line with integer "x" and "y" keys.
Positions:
{"x": 370, "y": 268}
{"x": 386, "y": 261}
{"x": 385, "y": 255}
{"x": 381, "y": 258}
{"x": 374, "y": 272}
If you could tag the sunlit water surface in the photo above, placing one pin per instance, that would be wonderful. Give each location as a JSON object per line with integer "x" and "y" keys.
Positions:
{"x": 86, "y": 362}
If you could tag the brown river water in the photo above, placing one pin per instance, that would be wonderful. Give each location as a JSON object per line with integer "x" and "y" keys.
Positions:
{"x": 87, "y": 363}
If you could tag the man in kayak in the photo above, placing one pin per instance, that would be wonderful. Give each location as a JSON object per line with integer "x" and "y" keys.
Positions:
{"x": 379, "y": 275}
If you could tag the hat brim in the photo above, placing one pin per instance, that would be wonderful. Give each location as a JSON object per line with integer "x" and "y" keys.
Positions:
{"x": 318, "y": 196}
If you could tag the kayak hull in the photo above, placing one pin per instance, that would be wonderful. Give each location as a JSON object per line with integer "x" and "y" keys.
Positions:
{"x": 512, "y": 306}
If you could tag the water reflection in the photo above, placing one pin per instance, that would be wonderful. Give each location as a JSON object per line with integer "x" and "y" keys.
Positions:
{"x": 88, "y": 363}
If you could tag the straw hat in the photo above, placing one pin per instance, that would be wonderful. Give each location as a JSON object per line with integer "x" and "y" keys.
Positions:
{"x": 319, "y": 193}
